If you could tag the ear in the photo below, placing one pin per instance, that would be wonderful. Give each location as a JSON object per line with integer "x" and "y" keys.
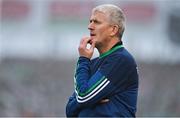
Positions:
{"x": 114, "y": 30}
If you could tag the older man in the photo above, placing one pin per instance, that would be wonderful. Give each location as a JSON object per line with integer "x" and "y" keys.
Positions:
{"x": 106, "y": 86}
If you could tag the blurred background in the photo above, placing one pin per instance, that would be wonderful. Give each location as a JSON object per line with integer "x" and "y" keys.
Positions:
{"x": 38, "y": 53}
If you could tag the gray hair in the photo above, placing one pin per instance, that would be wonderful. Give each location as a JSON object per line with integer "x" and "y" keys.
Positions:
{"x": 115, "y": 14}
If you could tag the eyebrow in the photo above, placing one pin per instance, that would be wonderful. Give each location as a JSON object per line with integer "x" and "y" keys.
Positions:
{"x": 94, "y": 20}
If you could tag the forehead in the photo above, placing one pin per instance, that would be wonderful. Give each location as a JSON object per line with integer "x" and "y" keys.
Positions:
{"x": 98, "y": 15}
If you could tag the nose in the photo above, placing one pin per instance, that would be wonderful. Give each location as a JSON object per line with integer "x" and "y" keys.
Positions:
{"x": 91, "y": 26}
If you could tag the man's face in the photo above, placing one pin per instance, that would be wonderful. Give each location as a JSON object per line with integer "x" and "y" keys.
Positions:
{"x": 100, "y": 28}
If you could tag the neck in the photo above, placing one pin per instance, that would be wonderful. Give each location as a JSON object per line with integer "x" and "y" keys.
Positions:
{"x": 108, "y": 46}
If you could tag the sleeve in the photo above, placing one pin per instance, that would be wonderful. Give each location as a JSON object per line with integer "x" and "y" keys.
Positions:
{"x": 71, "y": 110}
{"x": 109, "y": 77}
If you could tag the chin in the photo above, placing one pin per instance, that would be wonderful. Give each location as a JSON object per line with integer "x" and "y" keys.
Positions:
{"x": 98, "y": 45}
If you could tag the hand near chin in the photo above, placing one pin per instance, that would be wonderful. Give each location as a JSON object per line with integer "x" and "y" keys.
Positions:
{"x": 83, "y": 50}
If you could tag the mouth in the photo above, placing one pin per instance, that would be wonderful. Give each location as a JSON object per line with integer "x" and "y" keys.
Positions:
{"x": 92, "y": 35}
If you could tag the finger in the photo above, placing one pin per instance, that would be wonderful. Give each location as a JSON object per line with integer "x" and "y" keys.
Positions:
{"x": 84, "y": 41}
{"x": 81, "y": 41}
{"x": 92, "y": 46}
{"x": 82, "y": 44}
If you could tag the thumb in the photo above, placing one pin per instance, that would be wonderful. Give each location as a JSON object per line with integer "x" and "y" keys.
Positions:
{"x": 92, "y": 47}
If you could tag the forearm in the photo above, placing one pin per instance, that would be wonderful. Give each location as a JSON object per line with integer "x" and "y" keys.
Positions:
{"x": 82, "y": 74}
{"x": 87, "y": 86}
{"x": 72, "y": 107}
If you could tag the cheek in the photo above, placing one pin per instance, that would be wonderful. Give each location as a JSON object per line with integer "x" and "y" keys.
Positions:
{"x": 102, "y": 32}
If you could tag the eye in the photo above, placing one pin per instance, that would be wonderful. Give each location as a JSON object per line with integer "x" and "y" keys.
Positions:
{"x": 97, "y": 22}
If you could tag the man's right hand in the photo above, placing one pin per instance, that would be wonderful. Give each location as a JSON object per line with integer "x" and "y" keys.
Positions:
{"x": 83, "y": 50}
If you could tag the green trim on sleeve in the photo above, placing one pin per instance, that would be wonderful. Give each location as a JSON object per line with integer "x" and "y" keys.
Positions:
{"x": 90, "y": 89}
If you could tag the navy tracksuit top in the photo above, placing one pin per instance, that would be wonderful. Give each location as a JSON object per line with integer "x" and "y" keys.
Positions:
{"x": 113, "y": 75}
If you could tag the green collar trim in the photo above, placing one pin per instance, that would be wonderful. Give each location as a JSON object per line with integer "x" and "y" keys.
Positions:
{"x": 110, "y": 51}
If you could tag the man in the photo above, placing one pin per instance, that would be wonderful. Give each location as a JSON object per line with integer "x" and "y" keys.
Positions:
{"x": 106, "y": 86}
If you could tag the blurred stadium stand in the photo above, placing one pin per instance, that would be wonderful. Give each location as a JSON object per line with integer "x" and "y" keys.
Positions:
{"x": 38, "y": 51}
